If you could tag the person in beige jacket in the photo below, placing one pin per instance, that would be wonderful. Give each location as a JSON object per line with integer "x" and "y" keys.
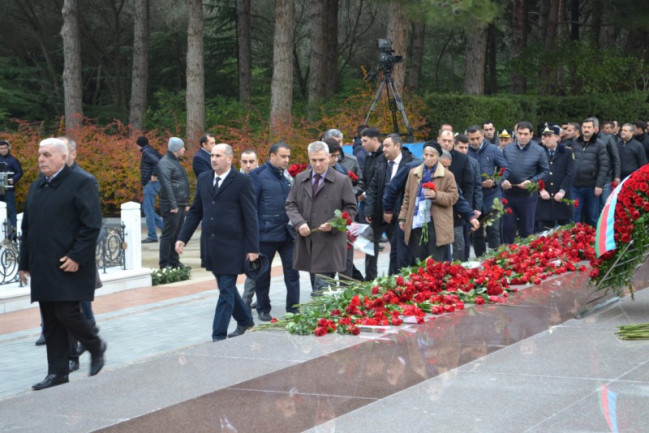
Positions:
{"x": 441, "y": 199}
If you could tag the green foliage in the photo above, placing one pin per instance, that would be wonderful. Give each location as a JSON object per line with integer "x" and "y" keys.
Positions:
{"x": 170, "y": 275}
{"x": 505, "y": 110}
{"x": 454, "y": 15}
{"x": 574, "y": 67}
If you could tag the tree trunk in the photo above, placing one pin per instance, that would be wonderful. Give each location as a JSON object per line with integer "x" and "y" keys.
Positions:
{"x": 416, "y": 55}
{"x": 475, "y": 59}
{"x": 331, "y": 41}
{"x": 317, "y": 59}
{"x": 245, "y": 51}
{"x": 491, "y": 73}
{"x": 574, "y": 18}
{"x": 73, "y": 94}
{"x": 398, "y": 28}
{"x": 281, "y": 87}
{"x": 195, "y": 96}
{"x": 519, "y": 42}
{"x": 596, "y": 22}
{"x": 140, "y": 74}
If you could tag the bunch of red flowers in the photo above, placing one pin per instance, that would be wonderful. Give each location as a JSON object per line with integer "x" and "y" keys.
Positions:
{"x": 444, "y": 288}
{"x": 352, "y": 176}
{"x": 631, "y": 234}
{"x": 296, "y": 169}
{"x": 429, "y": 185}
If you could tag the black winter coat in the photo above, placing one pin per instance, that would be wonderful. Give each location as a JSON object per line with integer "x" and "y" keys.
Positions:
{"x": 560, "y": 177}
{"x": 632, "y": 156}
{"x": 464, "y": 177}
{"x": 591, "y": 162}
{"x": 229, "y": 218}
{"x": 148, "y": 163}
{"x": 61, "y": 218}
{"x": 174, "y": 184}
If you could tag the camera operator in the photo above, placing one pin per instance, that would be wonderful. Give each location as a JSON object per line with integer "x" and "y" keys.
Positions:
{"x": 9, "y": 164}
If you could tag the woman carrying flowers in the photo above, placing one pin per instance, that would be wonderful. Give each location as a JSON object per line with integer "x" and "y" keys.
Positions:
{"x": 426, "y": 215}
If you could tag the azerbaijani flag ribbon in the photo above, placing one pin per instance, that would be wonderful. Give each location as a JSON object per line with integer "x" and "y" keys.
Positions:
{"x": 604, "y": 240}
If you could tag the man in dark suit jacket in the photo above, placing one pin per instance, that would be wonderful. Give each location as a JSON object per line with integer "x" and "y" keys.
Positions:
{"x": 61, "y": 222}
{"x": 225, "y": 202}
{"x": 464, "y": 178}
{"x": 394, "y": 157}
{"x": 201, "y": 161}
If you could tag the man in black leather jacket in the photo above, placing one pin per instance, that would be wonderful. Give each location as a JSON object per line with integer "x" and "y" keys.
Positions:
{"x": 174, "y": 201}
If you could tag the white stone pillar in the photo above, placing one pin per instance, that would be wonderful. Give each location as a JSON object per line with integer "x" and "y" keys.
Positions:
{"x": 19, "y": 223}
{"x": 132, "y": 234}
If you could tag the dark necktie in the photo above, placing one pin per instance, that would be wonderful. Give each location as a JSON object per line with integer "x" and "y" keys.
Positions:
{"x": 551, "y": 154}
{"x": 388, "y": 174}
{"x": 315, "y": 185}
{"x": 216, "y": 183}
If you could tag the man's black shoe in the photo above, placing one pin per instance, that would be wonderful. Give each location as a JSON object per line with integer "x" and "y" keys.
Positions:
{"x": 41, "y": 340}
{"x": 150, "y": 241}
{"x": 264, "y": 316}
{"x": 73, "y": 365}
{"x": 97, "y": 361}
{"x": 293, "y": 310}
{"x": 50, "y": 381}
{"x": 241, "y": 329}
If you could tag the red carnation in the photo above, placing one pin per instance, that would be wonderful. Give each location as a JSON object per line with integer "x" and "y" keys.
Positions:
{"x": 576, "y": 203}
{"x": 509, "y": 211}
{"x": 345, "y": 215}
{"x": 505, "y": 201}
{"x": 429, "y": 185}
{"x": 541, "y": 184}
{"x": 501, "y": 171}
{"x": 352, "y": 176}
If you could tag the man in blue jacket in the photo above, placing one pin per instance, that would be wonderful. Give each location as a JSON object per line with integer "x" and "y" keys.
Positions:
{"x": 528, "y": 164}
{"x": 9, "y": 163}
{"x": 491, "y": 161}
{"x": 275, "y": 233}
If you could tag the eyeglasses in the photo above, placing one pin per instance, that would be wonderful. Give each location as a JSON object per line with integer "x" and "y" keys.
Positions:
{"x": 335, "y": 155}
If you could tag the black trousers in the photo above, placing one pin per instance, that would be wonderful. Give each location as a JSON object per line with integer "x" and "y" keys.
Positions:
{"x": 173, "y": 222}
{"x": 59, "y": 319}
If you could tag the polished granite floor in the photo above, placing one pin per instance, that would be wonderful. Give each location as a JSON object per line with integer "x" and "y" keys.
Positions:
{"x": 527, "y": 366}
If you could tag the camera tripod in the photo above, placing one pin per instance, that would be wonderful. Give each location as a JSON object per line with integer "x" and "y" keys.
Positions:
{"x": 394, "y": 103}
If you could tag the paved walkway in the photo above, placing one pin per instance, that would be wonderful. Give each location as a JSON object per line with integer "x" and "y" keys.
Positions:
{"x": 526, "y": 367}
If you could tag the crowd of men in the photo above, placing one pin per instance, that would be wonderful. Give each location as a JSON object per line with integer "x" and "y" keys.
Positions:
{"x": 545, "y": 177}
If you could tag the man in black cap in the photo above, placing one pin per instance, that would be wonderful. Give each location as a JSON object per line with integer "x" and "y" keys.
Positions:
{"x": 149, "y": 179}
{"x": 550, "y": 210}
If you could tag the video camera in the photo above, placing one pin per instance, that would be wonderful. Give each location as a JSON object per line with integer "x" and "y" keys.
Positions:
{"x": 386, "y": 58}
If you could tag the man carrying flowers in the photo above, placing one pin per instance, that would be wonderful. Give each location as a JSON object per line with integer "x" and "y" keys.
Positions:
{"x": 314, "y": 197}
{"x": 528, "y": 164}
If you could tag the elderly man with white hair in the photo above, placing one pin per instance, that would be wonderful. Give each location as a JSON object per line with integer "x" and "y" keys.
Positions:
{"x": 61, "y": 223}
{"x": 314, "y": 197}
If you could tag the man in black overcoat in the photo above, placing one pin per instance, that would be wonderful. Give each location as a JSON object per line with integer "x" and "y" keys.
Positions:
{"x": 61, "y": 223}
{"x": 225, "y": 202}
{"x": 550, "y": 210}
